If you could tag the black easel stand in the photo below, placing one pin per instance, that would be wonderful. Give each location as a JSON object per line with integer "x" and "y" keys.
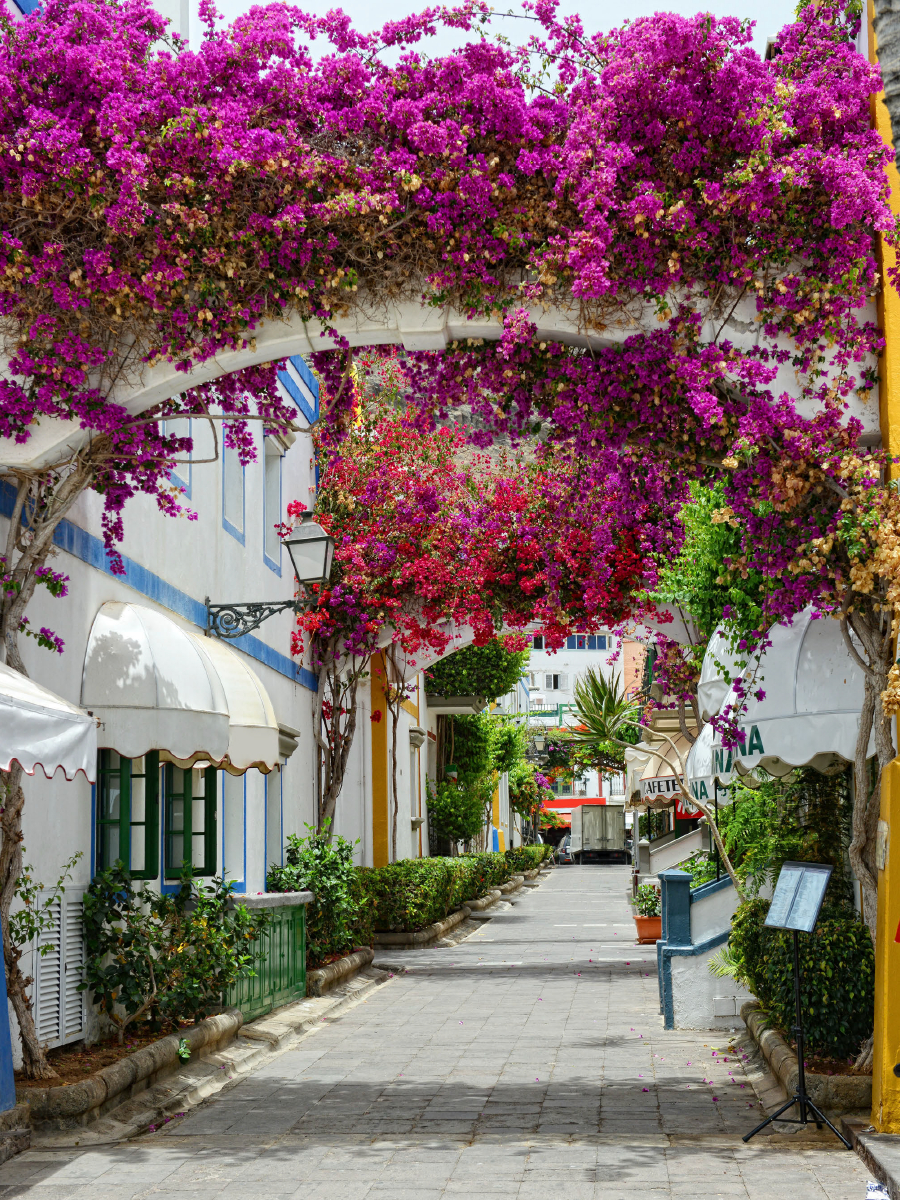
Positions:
{"x": 808, "y": 1110}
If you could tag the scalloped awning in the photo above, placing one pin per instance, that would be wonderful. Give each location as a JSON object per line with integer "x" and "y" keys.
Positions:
{"x": 157, "y": 686}
{"x": 40, "y": 729}
{"x": 808, "y": 717}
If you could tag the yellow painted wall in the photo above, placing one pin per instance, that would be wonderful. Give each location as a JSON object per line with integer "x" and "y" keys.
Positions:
{"x": 885, "y": 1084}
{"x": 380, "y": 823}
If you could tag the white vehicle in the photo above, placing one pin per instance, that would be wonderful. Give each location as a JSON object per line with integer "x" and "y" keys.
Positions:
{"x": 598, "y": 833}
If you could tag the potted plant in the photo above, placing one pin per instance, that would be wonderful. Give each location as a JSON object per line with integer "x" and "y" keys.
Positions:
{"x": 647, "y": 914}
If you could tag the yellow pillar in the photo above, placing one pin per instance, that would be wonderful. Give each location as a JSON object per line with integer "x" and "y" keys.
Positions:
{"x": 495, "y": 818}
{"x": 381, "y": 853}
{"x": 885, "y": 1084}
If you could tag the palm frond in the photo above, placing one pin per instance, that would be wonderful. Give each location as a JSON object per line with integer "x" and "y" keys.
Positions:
{"x": 604, "y": 709}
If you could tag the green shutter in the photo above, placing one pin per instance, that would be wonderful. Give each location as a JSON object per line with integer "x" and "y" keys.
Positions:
{"x": 180, "y": 831}
{"x": 150, "y": 825}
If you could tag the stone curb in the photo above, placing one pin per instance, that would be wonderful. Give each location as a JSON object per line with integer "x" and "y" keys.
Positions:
{"x": 320, "y": 981}
{"x": 879, "y": 1151}
{"x": 476, "y": 906}
{"x": 80, "y": 1103}
{"x": 832, "y": 1093}
{"x": 255, "y": 1044}
{"x": 512, "y": 885}
{"x": 429, "y": 934}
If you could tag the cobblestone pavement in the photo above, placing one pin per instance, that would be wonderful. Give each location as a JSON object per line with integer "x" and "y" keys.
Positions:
{"x": 528, "y": 1061}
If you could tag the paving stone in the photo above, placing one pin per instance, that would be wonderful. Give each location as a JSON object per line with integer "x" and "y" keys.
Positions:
{"x": 466, "y": 1080}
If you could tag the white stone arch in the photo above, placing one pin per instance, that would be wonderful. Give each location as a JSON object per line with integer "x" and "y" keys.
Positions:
{"x": 415, "y": 326}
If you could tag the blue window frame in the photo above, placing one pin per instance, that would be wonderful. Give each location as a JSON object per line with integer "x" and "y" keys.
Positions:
{"x": 271, "y": 506}
{"x": 183, "y": 472}
{"x": 233, "y": 494}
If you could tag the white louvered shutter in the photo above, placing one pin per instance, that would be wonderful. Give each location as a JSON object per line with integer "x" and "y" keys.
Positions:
{"x": 48, "y": 979}
{"x": 562, "y": 682}
{"x": 58, "y": 1005}
{"x": 73, "y": 967}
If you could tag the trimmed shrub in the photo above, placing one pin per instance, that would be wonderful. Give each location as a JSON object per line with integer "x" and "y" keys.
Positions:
{"x": 527, "y": 858}
{"x": 416, "y": 892}
{"x": 335, "y": 923}
{"x": 837, "y": 966}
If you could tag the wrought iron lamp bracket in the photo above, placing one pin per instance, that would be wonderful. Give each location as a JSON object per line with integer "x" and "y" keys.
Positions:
{"x": 235, "y": 620}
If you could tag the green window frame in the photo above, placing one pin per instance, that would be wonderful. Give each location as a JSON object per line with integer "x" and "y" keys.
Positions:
{"x": 127, "y": 813}
{"x": 190, "y": 820}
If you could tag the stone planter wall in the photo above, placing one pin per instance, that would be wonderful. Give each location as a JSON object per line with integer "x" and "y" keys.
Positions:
{"x": 67, "y": 1107}
{"x": 834, "y": 1094}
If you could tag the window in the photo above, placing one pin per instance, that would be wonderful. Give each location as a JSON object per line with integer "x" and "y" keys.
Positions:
{"x": 234, "y": 845}
{"x": 233, "y": 493}
{"x": 272, "y": 505}
{"x": 537, "y": 643}
{"x": 555, "y": 683}
{"x": 190, "y": 816}
{"x": 587, "y": 641}
{"x": 181, "y": 472}
{"x": 128, "y": 813}
{"x": 617, "y": 785}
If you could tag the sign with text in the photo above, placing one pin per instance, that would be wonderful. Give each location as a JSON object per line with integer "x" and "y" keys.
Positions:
{"x": 798, "y": 896}
{"x": 662, "y": 785}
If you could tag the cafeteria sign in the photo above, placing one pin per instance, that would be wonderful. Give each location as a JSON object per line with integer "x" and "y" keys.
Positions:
{"x": 663, "y": 785}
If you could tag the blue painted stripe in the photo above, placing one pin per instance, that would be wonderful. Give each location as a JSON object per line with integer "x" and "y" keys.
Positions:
{"x": 297, "y": 396}
{"x": 299, "y": 365}
{"x": 89, "y": 549}
{"x": 27, "y": 6}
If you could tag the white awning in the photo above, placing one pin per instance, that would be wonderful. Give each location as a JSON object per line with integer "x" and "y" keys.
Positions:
{"x": 40, "y": 729}
{"x": 157, "y": 686}
{"x": 648, "y": 774}
{"x": 809, "y": 715}
{"x": 253, "y": 733}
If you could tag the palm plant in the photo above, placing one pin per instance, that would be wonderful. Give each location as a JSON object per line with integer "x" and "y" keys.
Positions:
{"x": 608, "y": 715}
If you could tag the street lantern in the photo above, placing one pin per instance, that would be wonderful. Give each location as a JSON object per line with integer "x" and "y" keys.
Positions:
{"x": 539, "y": 742}
{"x": 311, "y": 551}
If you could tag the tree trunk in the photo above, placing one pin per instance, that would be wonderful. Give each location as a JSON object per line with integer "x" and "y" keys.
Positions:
{"x": 887, "y": 33}
{"x": 34, "y": 1057}
{"x": 872, "y": 627}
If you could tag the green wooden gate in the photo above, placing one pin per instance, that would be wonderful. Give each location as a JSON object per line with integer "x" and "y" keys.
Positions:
{"x": 281, "y": 975}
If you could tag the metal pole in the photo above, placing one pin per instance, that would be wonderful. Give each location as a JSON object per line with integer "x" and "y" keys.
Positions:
{"x": 715, "y": 843}
{"x": 798, "y": 1033}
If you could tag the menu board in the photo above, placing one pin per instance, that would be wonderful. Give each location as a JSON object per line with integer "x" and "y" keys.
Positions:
{"x": 798, "y": 897}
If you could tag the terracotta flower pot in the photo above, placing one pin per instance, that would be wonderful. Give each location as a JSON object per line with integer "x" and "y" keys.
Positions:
{"x": 649, "y": 929}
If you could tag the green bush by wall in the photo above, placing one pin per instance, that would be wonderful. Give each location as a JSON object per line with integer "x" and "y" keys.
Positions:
{"x": 353, "y": 902}
{"x": 837, "y": 965}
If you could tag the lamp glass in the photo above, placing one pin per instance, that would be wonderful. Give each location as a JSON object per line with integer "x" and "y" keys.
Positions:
{"x": 311, "y": 551}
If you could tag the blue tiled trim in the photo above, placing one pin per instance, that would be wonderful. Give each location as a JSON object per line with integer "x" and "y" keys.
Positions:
{"x": 707, "y": 889}
{"x": 89, "y": 549}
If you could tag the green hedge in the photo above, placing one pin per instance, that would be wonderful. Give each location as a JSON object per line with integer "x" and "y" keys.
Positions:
{"x": 528, "y": 858}
{"x": 415, "y": 892}
{"x": 352, "y": 902}
{"x": 837, "y": 965}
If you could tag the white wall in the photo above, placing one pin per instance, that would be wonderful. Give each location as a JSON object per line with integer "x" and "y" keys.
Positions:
{"x": 199, "y": 558}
